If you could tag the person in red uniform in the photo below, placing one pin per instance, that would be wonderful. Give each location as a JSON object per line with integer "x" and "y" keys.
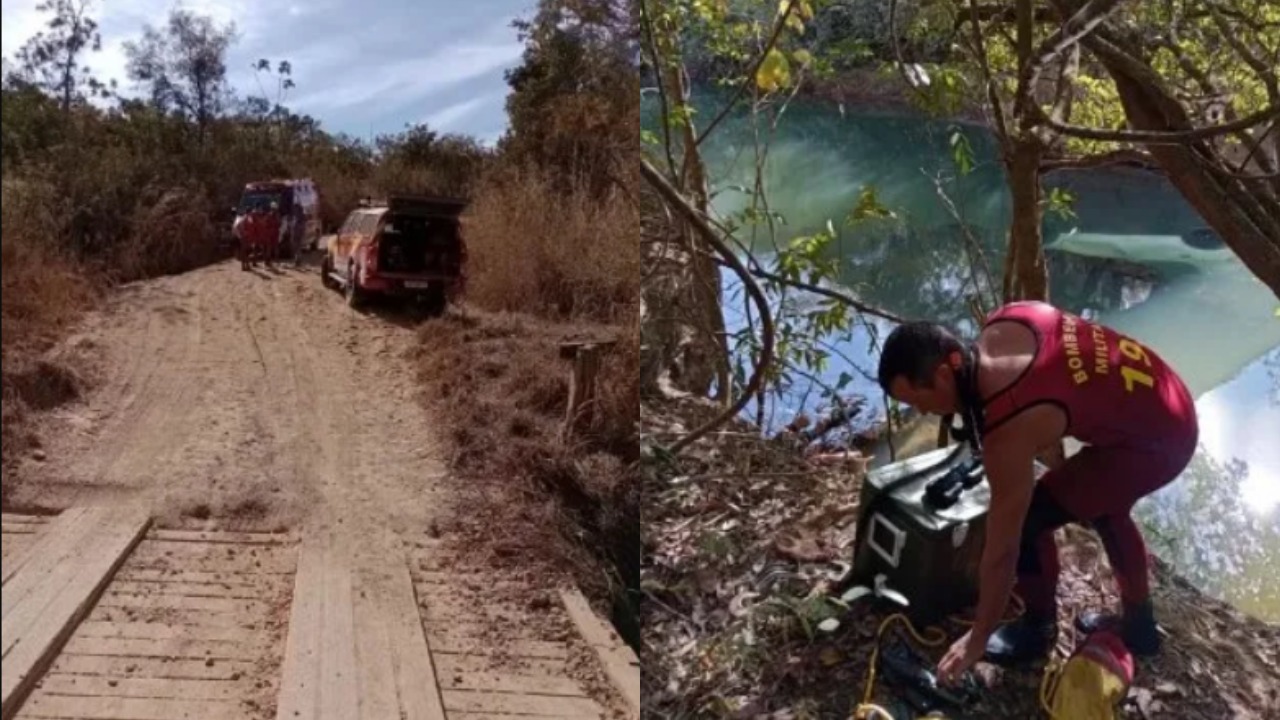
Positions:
{"x": 260, "y": 236}
{"x": 1036, "y": 375}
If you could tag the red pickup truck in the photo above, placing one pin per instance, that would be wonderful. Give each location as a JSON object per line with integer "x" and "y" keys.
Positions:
{"x": 405, "y": 247}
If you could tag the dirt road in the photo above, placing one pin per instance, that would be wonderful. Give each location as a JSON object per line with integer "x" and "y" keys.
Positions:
{"x": 258, "y": 402}
{"x": 256, "y": 399}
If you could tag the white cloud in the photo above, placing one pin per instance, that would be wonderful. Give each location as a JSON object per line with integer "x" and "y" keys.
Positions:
{"x": 356, "y": 66}
{"x": 420, "y": 76}
{"x": 448, "y": 118}
{"x": 20, "y": 22}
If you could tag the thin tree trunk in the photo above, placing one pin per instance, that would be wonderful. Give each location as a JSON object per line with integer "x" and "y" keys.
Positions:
{"x": 706, "y": 290}
{"x": 1026, "y": 277}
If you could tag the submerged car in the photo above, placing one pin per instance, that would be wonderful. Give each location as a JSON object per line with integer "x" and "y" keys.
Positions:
{"x": 409, "y": 246}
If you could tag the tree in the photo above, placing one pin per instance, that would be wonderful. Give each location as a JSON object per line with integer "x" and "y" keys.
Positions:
{"x": 183, "y": 67}
{"x": 573, "y": 105}
{"x": 1193, "y": 80}
{"x": 53, "y": 60}
{"x": 421, "y": 160}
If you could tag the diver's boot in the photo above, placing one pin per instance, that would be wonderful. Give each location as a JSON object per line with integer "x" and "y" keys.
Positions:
{"x": 1022, "y": 641}
{"x": 1137, "y": 627}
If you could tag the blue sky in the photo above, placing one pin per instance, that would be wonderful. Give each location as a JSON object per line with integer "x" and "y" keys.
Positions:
{"x": 361, "y": 67}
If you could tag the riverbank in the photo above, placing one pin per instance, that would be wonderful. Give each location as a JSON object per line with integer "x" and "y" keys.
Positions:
{"x": 730, "y": 614}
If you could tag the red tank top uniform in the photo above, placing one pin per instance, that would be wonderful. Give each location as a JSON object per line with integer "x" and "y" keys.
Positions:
{"x": 1114, "y": 391}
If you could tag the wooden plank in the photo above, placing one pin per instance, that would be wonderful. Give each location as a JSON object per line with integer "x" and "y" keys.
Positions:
{"x": 300, "y": 684}
{"x": 450, "y": 664}
{"x": 128, "y": 708}
{"x": 451, "y": 608}
{"x": 618, "y": 659}
{"x": 375, "y": 664}
{"x": 512, "y": 588}
{"x": 482, "y": 716}
{"x": 416, "y": 677}
{"x": 508, "y": 683}
{"x": 227, "y": 591}
{"x": 113, "y": 599}
{"x": 177, "y": 648}
{"x": 472, "y": 646}
{"x": 59, "y": 538}
{"x": 246, "y": 637}
{"x": 112, "y": 667}
{"x": 9, "y": 518}
{"x": 11, "y": 546}
{"x": 150, "y": 559}
{"x": 189, "y": 617}
{"x": 92, "y": 685}
{"x": 222, "y": 538}
{"x": 478, "y": 582}
{"x": 9, "y": 528}
{"x": 45, "y": 619}
{"x": 239, "y": 556}
{"x": 271, "y": 584}
{"x": 339, "y": 683}
{"x": 537, "y": 705}
{"x": 473, "y": 628}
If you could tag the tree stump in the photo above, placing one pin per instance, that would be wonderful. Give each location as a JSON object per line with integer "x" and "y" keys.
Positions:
{"x": 581, "y": 412}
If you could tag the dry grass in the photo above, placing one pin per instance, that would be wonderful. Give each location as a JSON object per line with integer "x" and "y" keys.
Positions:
{"x": 562, "y": 255}
{"x": 569, "y": 264}
{"x": 44, "y": 287}
{"x": 565, "y": 508}
{"x": 44, "y": 290}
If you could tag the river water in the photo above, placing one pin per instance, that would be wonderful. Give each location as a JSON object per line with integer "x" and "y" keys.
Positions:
{"x": 1133, "y": 255}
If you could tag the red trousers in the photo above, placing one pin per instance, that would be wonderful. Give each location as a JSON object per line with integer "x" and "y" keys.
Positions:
{"x": 261, "y": 235}
{"x": 1097, "y": 486}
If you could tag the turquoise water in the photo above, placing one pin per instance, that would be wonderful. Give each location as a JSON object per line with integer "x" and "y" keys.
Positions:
{"x": 1134, "y": 255}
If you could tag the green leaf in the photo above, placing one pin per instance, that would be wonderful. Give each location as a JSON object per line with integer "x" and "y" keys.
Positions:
{"x": 869, "y": 206}
{"x": 962, "y": 152}
{"x": 802, "y": 57}
{"x": 775, "y": 72}
{"x": 1060, "y": 203}
{"x": 648, "y": 137}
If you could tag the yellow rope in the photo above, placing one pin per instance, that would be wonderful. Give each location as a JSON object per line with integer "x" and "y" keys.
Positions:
{"x": 867, "y": 710}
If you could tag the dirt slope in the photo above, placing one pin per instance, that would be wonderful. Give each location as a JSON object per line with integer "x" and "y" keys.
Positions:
{"x": 255, "y": 400}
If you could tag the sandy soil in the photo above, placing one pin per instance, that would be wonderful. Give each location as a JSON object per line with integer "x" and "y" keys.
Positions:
{"x": 250, "y": 400}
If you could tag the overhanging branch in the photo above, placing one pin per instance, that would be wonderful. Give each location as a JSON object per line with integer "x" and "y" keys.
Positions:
{"x": 751, "y": 76}
{"x": 699, "y": 223}
{"x": 829, "y": 293}
{"x": 1162, "y": 138}
{"x": 1127, "y": 156}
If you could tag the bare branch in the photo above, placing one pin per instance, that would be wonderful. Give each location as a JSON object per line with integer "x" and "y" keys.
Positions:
{"x": 647, "y": 22}
{"x": 699, "y": 223}
{"x": 1257, "y": 144}
{"x": 973, "y": 249}
{"x": 997, "y": 107}
{"x": 827, "y": 292}
{"x": 1065, "y": 92}
{"x": 1083, "y": 22}
{"x": 755, "y": 68}
{"x": 1265, "y": 72}
{"x": 1128, "y": 156}
{"x": 1162, "y": 138}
